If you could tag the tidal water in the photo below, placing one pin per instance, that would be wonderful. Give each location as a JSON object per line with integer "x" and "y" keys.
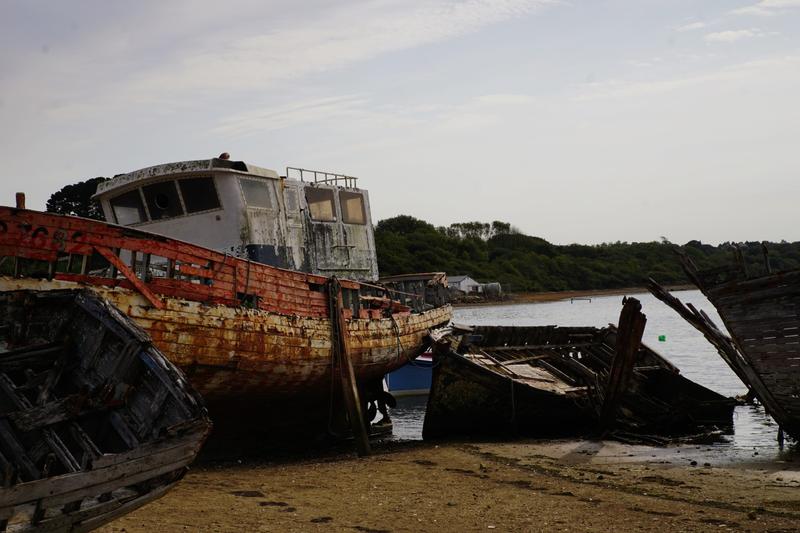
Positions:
{"x": 754, "y": 432}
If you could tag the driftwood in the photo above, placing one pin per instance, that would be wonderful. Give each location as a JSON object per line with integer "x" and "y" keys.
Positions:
{"x": 94, "y": 421}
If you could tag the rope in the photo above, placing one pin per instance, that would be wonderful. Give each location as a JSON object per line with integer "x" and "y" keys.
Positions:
{"x": 400, "y": 349}
{"x": 397, "y": 335}
{"x": 513, "y": 404}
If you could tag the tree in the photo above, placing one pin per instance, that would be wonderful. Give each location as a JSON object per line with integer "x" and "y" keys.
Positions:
{"x": 76, "y": 199}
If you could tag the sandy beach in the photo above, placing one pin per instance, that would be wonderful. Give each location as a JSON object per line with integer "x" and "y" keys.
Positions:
{"x": 520, "y": 486}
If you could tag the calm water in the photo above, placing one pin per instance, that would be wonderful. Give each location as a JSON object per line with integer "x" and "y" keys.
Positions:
{"x": 684, "y": 346}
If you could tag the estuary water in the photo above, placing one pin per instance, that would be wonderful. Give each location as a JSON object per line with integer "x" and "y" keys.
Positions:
{"x": 754, "y": 432}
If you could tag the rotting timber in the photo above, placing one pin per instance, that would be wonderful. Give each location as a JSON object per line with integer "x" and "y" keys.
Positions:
{"x": 95, "y": 420}
{"x": 762, "y": 313}
{"x": 255, "y": 339}
{"x": 550, "y": 381}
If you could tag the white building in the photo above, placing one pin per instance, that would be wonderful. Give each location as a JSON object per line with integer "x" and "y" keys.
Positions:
{"x": 464, "y": 283}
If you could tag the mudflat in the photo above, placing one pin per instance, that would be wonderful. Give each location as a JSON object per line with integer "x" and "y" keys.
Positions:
{"x": 520, "y": 486}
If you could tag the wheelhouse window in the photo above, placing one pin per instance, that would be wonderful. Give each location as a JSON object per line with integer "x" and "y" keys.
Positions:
{"x": 162, "y": 200}
{"x": 199, "y": 194}
{"x": 320, "y": 204}
{"x": 128, "y": 208}
{"x": 256, "y": 193}
{"x": 352, "y": 207}
{"x": 291, "y": 200}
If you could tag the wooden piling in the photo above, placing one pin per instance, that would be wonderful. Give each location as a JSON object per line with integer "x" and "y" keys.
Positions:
{"x": 629, "y": 339}
{"x": 352, "y": 398}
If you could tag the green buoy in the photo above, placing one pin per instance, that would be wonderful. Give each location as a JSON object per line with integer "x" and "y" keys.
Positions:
{"x": 662, "y": 338}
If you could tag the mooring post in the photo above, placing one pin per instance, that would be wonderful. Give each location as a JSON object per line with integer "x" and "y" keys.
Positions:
{"x": 629, "y": 339}
{"x": 352, "y": 398}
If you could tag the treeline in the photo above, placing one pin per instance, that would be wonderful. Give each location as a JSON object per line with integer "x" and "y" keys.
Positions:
{"x": 498, "y": 252}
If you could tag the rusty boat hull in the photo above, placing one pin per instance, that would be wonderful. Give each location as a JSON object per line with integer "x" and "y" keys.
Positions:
{"x": 253, "y": 339}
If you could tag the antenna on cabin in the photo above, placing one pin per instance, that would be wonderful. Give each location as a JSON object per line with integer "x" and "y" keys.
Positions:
{"x": 224, "y": 155}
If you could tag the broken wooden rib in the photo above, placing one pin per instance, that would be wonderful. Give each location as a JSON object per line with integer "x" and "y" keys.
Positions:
{"x": 94, "y": 421}
{"x": 762, "y": 314}
{"x": 558, "y": 381}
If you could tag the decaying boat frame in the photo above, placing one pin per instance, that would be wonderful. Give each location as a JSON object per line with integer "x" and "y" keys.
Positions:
{"x": 253, "y": 339}
{"x": 562, "y": 381}
{"x": 94, "y": 421}
{"x": 762, "y": 314}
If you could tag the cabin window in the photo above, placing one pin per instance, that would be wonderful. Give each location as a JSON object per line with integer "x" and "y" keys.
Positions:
{"x": 199, "y": 194}
{"x": 320, "y": 204}
{"x": 128, "y": 208}
{"x": 291, "y": 200}
{"x": 352, "y": 207}
{"x": 256, "y": 193}
{"x": 162, "y": 200}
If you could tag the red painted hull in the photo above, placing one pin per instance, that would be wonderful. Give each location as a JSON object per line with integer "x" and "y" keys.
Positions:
{"x": 239, "y": 329}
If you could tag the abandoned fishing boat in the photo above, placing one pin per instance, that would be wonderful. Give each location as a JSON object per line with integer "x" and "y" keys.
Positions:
{"x": 563, "y": 381}
{"x": 95, "y": 420}
{"x": 240, "y": 277}
{"x": 761, "y": 310}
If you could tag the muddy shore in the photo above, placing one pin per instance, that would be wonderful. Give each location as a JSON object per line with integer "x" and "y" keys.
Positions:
{"x": 521, "y": 486}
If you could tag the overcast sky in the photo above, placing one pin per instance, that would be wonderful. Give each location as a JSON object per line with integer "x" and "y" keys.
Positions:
{"x": 578, "y": 121}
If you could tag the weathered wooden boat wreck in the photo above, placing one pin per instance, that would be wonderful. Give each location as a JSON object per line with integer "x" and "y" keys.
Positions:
{"x": 252, "y": 303}
{"x": 564, "y": 381}
{"x": 762, "y": 314}
{"x": 95, "y": 421}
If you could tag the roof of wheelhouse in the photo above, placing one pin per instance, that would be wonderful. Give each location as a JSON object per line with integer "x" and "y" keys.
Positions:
{"x": 180, "y": 168}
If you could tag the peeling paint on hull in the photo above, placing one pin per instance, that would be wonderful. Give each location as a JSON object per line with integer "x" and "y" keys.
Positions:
{"x": 232, "y": 352}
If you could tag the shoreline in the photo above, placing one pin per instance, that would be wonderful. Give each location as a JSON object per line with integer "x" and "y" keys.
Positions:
{"x": 555, "y": 296}
{"x": 527, "y": 485}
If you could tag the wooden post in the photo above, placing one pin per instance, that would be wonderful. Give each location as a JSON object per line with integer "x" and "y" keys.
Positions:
{"x": 629, "y": 339}
{"x": 352, "y": 398}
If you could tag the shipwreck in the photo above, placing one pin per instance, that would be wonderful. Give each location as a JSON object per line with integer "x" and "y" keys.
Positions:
{"x": 761, "y": 310}
{"x": 95, "y": 420}
{"x": 551, "y": 381}
{"x": 262, "y": 288}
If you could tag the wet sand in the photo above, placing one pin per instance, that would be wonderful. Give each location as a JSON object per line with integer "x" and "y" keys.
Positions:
{"x": 521, "y": 486}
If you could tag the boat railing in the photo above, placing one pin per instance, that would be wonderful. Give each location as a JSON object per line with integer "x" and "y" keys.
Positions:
{"x": 43, "y": 245}
{"x": 320, "y": 176}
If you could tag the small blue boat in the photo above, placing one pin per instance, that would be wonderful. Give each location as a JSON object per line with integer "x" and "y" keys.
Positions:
{"x": 413, "y": 378}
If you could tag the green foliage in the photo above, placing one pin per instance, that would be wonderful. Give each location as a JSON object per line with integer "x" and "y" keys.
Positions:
{"x": 496, "y": 252}
{"x": 76, "y": 199}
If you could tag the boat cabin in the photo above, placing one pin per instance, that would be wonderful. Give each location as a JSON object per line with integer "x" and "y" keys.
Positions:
{"x": 307, "y": 220}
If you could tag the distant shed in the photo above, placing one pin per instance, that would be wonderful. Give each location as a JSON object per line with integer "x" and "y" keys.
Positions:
{"x": 464, "y": 283}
